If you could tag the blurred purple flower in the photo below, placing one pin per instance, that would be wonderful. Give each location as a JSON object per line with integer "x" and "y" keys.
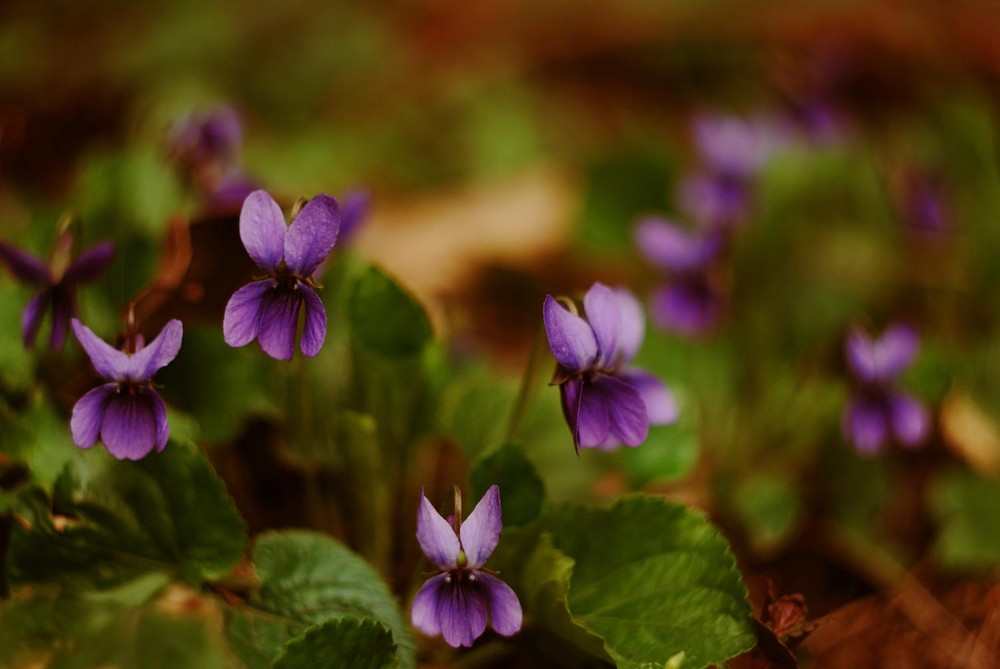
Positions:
{"x": 715, "y": 199}
{"x": 878, "y": 411}
{"x": 457, "y": 602}
{"x": 606, "y": 403}
{"x": 353, "y": 212}
{"x": 688, "y": 303}
{"x": 57, "y": 281}
{"x": 923, "y": 203}
{"x": 127, "y": 414}
{"x": 268, "y": 309}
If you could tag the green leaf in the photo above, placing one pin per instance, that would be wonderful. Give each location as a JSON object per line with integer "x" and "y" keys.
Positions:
{"x": 521, "y": 489}
{"x": 120, "y": 520}
{"x": 965, "y": 506}
{"x": 40, "y": 438}
{"x": 345, "y": 643}
{"x": 385, "y": 318}
{"x": 653, "y": 579}
{"x": 15, "y": 363}
{"x": 769, "y": 507}
{"x": 308, "y": 579}
{"x": 669, "y": 452}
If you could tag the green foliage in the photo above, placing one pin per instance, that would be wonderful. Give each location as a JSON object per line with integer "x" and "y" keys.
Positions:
{"x": 385, "y": 319}
{"x": 309, "y": 579}
{"x": 344, "y": 643}
{"x": 521, "y": 489}
{"x": 112, "y": 521}
{"x": 769, "y": 507}
{"x": 965, "y": 506}
{"x": 39, "y": 438}
{"x": 653, "y": 579}
{"x": 15, "y": 364}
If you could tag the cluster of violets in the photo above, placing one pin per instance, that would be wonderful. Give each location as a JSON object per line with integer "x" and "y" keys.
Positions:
{"x": 606, "y": 402}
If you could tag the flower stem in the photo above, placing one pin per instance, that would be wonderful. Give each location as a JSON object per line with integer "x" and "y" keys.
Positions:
{"x": 527, "y": 388}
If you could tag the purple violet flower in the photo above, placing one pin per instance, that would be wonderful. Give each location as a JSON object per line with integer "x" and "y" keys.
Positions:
{"x": 878, "y": 410}
{"x": 457, "y": 602}
{"x": 688, "y": 303}
{"x": 57, "y": 280}
{"x": 606, "y": 403}
{"x": 127, "y": 413}
{"x": 354, "y": 210}
{"x": 268, "y": 309}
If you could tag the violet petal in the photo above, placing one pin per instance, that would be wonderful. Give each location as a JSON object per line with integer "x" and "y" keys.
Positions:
{"x": 312, "y": 235}
{"x": 461, "y": 612}
{"x": 627, "y": 417}
{"x": 592, "y": 422}
{"x": 241, "y": 321}
{"x": 865, "y": 422}
{"x": 480, "y": 532}
{"x": 279, "y": 319}
{"x": 263, "y": 230}
{"x": 130, "y": 428}
{"x": 352, "y": 213}
{"x": 687, "y": 307}
{"x": 314, "y": 332}
{"x": 160, "y": 415}
{"x": 436, "y": 537}
{"x": 158, "y": 353}
{"x": 107, "y": 360}
{"x": 666, "y": 244}
{"x": 661, "y": 407}
{"x": 604, "y": 316}
{"x": 631, "y": 325}
{"x": 25, "y": 266}
{"x": 90, "y": 264}
{"x": 909, "y": 419}
{"x": 895, "y": 350}
{"x": 34, "y": 312}
{"x": 425, "y": 605}
{"x": 62, "y": 312}
{"x": 859, "y": 351}
{"x": 88, "y": 414}
{"x": 504, "y": 607}
{"x": 569, "y": 395}
{"x": 571, "y": 339}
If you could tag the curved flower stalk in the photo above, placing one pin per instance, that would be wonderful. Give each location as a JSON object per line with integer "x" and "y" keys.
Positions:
{"x": 57, "y": 281}
{"x": 126, "y": 413}
{"x": 457, "y": 602}
{"x": 268, "y": 310}
{"x": 878, "y": 411}
{"x": 689, "y": 303}
{"x": 606, "y": 403}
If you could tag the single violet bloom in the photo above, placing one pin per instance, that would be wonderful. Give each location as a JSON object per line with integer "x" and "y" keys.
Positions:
{"x": 878, "y": 411}
{"x": 57, "y": 281}
{"x": 734, "y": 145}
{"x": 268, "y": 309}
{"x": 688, "y": 303}
{"x": 215, "y": 135}
{"x": 605, "y": 402}
{"x": 457, "y": 602}
{"x": 126, "y": 413}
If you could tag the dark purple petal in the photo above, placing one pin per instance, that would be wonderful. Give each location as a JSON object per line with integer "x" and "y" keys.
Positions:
{"x": 436, "y": 537}
{"x": 352, "y": 213}
{"x": 107, "y": 360}
{"x": 158, "y": 353}
{"x": 130, "y": 429}
{"x": 88, "y": 414}
{"x": 424, "y": 614}
{"x": 241, "y": 321}
{"x": 312, "y": 235}
{"x": 611, "y": 408}
{"x": 62, "y": 313}
{"x": 909, "y": 420}
{"x": 279, "y": 319}
{"x": 461, "y": 611}
{"x": 604, "y": 316}
{"x": 25, "y": 266}
{"x": 569, "y": 394}
{"x": 32, "y": 317}
{"x": 592, "y": 422}
{"x": 314, "y": 332}
{"x": 571, "y": 339}
{"x": 666, "y": 244}
{"x": 263, "y": 230}
{"x": 480, "y": 532}
{"x": 90, "y": 264}
{"x": 661, "y": 407}
{"x": 631, "y": 324}
{"x": 688, "y": 307}
{"x": 162, "y": 426}
{"x": 865, "y": 424}
{"x": 504, "y": 607}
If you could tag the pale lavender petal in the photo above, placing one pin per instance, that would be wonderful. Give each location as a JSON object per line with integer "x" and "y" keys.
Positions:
{"x": 34, "y": 312}
{"x": 130, "y": 429}
{"x": 107, "y": 360}
{"x": 62, "y": 313}
{"x": 688, "y": 307}
{"x": 263, "y": 230}
{"x": 314, "y": 332}
{"x": 631, "y": 324}
{"x": 865, "y": 423}
{"x": 504, "y": 607}
{"x": 241, "y": 321}
{"x": 909, "y": 419}
{"x": 666, "y": 244}
{"x": 312, "y": 235}
{"x": 25, "y": 266}
{"x": 859, "y": 351}
{"x": 661, "y": 407}
{"x": 480, "y": 532}
{"x": 90, "y": 264}
{"x": 162, "y": 425}
{"x": 461, "y": 612}
{"x": 88, "y": 414}
{"x": 603, "y": 314}
{"x": 436, "y": 537}
{"x": 279, "y": 319}
{"x": 733, "y": 144}
{"x": 895, "y": 350}
{"x": 571, "y": 339}
{"x": 424, "y": 613}
{"x": 158, "y": 353}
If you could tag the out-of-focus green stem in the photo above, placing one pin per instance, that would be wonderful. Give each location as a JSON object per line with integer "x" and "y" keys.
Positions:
{"x": 525, "y": 391}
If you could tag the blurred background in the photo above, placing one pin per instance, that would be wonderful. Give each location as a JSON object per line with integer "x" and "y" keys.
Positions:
{"x": 508, "y": 150}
